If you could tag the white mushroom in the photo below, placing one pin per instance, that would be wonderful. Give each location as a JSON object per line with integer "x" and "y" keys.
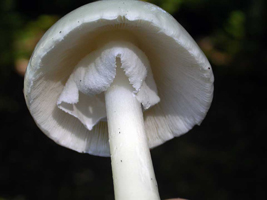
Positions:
{"x": 125, "y": 64}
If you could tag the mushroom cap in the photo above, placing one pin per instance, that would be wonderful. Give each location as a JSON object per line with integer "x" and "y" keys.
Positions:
{"x": 181, "y": 72}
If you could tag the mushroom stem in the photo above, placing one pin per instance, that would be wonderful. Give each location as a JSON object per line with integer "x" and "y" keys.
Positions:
{"x": 132, "y": 168}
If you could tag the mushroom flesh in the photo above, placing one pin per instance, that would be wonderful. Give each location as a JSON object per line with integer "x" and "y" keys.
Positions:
{"x": 116, "y": 78}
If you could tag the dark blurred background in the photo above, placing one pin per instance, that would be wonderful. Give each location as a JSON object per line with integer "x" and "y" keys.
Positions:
{"x": 223, "y": 159}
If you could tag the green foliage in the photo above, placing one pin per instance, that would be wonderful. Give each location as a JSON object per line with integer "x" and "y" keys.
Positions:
{"x": 171, "y": 6}
{"x": 235, "y": 24}
{"x": 29, "y": 35}
{"x": 9, "y": 23}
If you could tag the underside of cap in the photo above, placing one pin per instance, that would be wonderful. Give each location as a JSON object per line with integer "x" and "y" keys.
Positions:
{"x": 181, "y": 72}
{"x": 94, "y": 74}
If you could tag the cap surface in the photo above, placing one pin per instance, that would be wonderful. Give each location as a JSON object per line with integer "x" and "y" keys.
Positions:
{"x": 181, "y": 72}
